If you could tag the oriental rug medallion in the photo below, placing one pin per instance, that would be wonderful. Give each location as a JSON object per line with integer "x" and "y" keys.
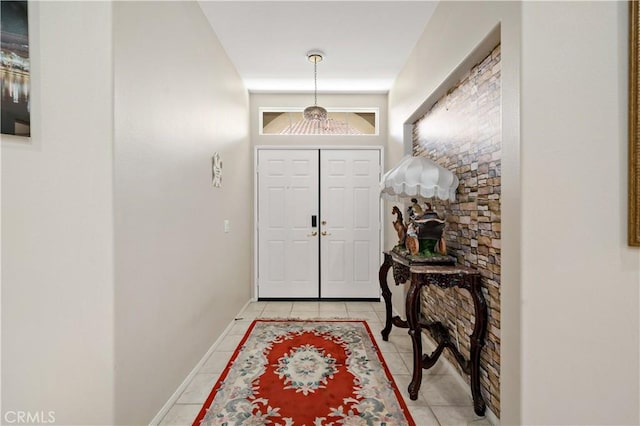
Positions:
{"x": 305, "y": 373}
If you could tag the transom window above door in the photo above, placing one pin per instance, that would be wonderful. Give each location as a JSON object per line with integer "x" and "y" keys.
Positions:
{"x": 340, "y": 122}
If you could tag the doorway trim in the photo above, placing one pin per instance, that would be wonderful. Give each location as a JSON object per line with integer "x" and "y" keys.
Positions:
{"x": 254, "y": 287}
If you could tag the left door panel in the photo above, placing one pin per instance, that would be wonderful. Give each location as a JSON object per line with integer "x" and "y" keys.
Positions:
{"x": 288, "y": 247}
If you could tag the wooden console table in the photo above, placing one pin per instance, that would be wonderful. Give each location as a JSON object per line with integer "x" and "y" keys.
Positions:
{"x": 442, "y": 272}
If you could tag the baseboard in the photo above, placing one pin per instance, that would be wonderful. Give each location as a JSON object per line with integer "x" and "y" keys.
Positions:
{"x": 489, "y": 415}
{"x": 172, "y": 400}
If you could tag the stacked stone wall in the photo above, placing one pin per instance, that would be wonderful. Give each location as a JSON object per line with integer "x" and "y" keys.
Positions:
{"x": 462, "y": 132}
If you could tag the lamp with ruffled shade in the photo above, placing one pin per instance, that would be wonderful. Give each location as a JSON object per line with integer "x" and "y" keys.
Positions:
{"x": 418, "y": 177}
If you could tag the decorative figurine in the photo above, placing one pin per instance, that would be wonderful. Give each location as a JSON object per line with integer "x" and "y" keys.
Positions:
{"x": 441, "y": 246}
{"x": 414, "y": 210}
{"x": 411, "y": 242}
{"x": 399, "y": 225}
{"x": 426, "y": 230}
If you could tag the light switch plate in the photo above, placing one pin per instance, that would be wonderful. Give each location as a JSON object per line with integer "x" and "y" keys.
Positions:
{"x": 227, "y": 226}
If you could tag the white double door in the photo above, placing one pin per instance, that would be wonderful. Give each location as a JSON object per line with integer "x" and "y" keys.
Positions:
{"x": 318, "y": 223}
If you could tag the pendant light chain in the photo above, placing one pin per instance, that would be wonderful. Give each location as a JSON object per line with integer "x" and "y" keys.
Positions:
{"x": 315, "y": 112}
{"x": 315, "y": 82}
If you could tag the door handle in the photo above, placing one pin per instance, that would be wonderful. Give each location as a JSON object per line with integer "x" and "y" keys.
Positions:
{"x": 325, "y": 233}
{"x": 313, "y": 234}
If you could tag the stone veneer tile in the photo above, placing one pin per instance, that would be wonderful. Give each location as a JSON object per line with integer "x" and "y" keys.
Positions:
{"x": 462, "y": 133}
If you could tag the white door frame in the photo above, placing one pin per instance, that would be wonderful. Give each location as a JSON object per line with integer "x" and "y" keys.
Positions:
{"x": 254, "y": 290}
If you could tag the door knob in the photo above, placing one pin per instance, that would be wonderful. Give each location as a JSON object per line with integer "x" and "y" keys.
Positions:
{"x": 313, "y": 234}
{"x": 324, "y": 233}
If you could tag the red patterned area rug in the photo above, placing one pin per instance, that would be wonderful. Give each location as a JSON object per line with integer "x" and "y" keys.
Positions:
{"x": 305, "y": 373}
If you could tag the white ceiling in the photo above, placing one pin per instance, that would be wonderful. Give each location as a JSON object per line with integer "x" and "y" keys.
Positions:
{"x": 365, "y": 43}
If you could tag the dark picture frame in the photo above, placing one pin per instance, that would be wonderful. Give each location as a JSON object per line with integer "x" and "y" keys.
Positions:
{"x": 15, "y": 71}
{"x": 634, "y": 127}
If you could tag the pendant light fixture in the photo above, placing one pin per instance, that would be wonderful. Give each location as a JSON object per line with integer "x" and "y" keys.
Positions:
{"x": 315, "y": 112}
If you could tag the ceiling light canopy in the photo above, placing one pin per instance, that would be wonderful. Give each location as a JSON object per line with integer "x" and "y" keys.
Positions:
{"x": 418, "y": 177}
{"x": 315, "y": 112}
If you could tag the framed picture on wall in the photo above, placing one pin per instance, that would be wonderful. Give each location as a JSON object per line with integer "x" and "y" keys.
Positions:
{"x": 15, "y": 69}
{"x": 634, "y": 127}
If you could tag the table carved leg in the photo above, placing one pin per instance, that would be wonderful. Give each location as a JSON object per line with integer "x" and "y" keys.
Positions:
{"x": 399, "y": 273}
{"x": 477, "y": 342}
{"x": 413, "y": 318}
{"x": 442, "y": 337}
{"x": 386, "y": 295}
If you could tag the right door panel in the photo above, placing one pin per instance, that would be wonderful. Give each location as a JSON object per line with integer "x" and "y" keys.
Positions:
{"x": 350, "y": 227}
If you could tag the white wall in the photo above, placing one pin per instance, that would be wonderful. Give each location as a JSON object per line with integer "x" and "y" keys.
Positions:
{"x": 179, "y": 279}
{"x": 453, "y": 34}
{"x": 259, "y": 100}
{"x": 579, "y": 279}
{"x": 57, "y": 227}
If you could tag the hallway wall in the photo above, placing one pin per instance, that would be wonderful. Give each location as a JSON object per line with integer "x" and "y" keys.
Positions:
{"x": 580, "y": 280}
{"x": 570, "y": 297}
{"x": 462, "y": 132}
{"x": 179, "y": 278}
{"x": 57, "y": 225}
{"x": 433, "y": 67}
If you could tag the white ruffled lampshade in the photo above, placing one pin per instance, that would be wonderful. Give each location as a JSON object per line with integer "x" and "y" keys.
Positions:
{"x": 418, "y": 177}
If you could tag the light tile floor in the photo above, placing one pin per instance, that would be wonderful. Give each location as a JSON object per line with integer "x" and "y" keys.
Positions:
{"x": 442, "y": 399}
